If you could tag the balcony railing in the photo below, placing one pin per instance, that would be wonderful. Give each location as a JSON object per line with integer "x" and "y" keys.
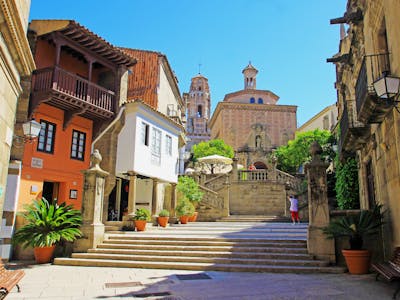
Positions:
{"x": 72, "y": 88}
{"x": 369, "y": 109}
{"x": 353, "y": 134}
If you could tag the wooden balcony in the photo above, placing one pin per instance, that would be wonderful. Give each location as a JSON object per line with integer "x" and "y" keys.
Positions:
{"x": 371, "y": 109}
{"x": 352, "y": 135}
{"x": 71, "y": 93}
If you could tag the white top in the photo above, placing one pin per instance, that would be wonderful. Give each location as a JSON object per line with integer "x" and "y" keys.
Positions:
{"x": 293, "y": 204}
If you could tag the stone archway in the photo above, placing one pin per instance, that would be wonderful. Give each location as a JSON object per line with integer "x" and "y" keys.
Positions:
{"x": 260, "y": 165}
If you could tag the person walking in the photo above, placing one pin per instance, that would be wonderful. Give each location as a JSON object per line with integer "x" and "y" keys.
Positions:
{"x": 294, "y": 209}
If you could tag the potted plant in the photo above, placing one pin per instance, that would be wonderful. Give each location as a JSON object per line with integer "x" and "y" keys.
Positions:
{"x": 142, "y": 215}
{"x": 47, "y": 224}
{"x": 163, "y": 217}
{"x": 188, "y": 188}
{"x": 184, "y": 210}
{"x": 356, "y": 228}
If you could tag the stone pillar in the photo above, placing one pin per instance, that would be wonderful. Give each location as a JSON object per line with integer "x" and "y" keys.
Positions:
{"x": 227, "y": 195}
{"x": 154, "y": 198}
{"x": 131, "y": 199}
{"x": 318, "y": 244}
{"x": 172, "y": 214}
{"x": 92, "y": 205}
{"x": 234, "y": 176}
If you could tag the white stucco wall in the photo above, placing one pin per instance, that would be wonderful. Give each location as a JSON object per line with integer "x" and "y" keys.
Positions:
{"x": 133, "y": 155}
{"x": 317, "y": 122}
{"x": 165, "y": 93}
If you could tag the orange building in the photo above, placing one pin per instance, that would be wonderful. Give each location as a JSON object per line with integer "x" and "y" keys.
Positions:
{"x": 76, "y": 92}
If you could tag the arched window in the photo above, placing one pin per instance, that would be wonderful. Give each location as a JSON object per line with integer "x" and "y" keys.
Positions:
{"x": 260, "y": 101}
{"x": 199, "y": 111}
{"x": 252, "y": 100}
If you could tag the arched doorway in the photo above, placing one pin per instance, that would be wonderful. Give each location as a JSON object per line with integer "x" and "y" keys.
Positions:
{"x": 260, "y": 165}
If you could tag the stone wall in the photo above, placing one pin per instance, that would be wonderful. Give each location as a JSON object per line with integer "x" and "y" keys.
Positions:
{"x": 249, "y": 198}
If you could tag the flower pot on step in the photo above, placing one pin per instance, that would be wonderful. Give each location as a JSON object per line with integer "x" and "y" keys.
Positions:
{"x": 184, "y": 219}
{"x": 162, "y": 221}
{"x": 193, "y": 217}
{"x": 43, "y": 255}
{"x": 357, "y": 261}
{"x": 140, "y": 225}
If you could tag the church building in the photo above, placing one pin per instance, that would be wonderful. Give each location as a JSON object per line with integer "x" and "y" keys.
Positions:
{"x": 251, "y": 121}
{"x": 198, "y": 107}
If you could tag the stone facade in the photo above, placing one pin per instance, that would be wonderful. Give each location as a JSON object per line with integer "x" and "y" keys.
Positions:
{"x": 16, "y": 63}
{"x": 369, "y": 126}
{"x": 251, "y": 122}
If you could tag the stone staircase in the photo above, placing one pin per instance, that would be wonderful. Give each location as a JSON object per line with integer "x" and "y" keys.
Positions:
{"x": 218, "y": 246}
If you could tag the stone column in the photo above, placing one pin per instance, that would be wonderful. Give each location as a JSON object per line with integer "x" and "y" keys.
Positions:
{"x": 154, "y": 198}
{"x": 318, "y": 244}
{"x": 131, "y": 199}
{"x": 172, "y": 213}
{"x": 92, "y": 205}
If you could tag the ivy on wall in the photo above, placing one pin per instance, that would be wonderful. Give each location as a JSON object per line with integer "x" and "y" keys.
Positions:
{"x": 347, "y": 192}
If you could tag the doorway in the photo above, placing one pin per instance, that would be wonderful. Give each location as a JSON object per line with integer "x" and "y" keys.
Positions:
{"x": 118, "y": 200}
{"x": 50, "y": 191}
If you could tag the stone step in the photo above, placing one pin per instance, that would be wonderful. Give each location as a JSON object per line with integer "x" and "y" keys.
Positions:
{"x": 254, "y": 218}
{"x": 257, "y": 255}
{"x": 179, "y": 238}
{"x": 196, "y": 266}
{"x": 193, "y": 259}
{"x": 238, "y": 248}
{"x": 204, "y": 243}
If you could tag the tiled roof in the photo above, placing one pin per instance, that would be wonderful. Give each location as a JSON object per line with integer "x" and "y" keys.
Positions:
{"x": 84, "y": 37}
{"x": 144, "y": 78}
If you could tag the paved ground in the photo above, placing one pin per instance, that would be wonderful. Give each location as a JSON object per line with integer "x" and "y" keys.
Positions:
{"x": 65, "y": 282}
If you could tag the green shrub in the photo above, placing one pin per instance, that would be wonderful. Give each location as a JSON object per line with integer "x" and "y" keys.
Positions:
{"x": 184, "y": 208}
{"x": 163, "y": 213}
{"x": 142, "y": 214}
{"x": 189, "y": 188}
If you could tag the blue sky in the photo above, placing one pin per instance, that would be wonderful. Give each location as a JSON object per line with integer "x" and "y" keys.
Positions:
{"x": 288, "y": 41}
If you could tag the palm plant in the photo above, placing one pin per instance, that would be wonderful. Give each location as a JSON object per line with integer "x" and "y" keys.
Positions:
{"x": 48, "y": 224}
{"x": 356, "y": 227}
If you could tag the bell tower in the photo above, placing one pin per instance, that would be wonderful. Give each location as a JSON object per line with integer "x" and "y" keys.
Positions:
{"x": 198, "y": 106}
{"x": 250, "y": 73}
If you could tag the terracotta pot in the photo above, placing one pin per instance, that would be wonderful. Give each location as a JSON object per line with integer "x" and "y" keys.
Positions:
{"x": 193, "y": 217}
{"x": 140, "y": 225}
{"x": 162, "y": 221}
{"x": 184, "y": 219}
{"x": 357, "y": 261}
{"x": 43, "y": 255}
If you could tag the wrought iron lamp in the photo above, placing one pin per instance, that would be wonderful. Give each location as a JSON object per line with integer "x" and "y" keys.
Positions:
{"x": 387, "y": 88}
{"x": 31, "y": 131}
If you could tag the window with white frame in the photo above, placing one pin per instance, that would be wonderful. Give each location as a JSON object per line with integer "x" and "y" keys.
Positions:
{"x": 168, "y": 145}
{"x": 156, "y": 146}
{"x": 78, "y": 145}
{"x": 145, "y": 129}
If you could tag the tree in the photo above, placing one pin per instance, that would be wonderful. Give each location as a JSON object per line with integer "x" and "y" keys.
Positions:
{"x": 297, "y": 152}
{"x": 212, "y": 147}
{"x": 189, "y": 189}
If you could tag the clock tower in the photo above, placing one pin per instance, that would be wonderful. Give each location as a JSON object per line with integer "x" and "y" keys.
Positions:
{"x": 198, "y": 107}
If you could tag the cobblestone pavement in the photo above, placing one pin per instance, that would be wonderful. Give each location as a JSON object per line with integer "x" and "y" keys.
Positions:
{"x": 68, "y": 282}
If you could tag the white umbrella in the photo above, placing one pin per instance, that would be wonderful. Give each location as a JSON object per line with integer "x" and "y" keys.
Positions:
{"x": 214, "y": 160}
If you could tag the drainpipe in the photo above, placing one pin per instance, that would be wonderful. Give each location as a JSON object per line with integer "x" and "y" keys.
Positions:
{"x": 108, "y": 127}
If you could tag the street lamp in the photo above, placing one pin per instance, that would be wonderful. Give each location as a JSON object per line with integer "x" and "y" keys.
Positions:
{"x": 387, "y": 87}
{"x": 31, "y": 131}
